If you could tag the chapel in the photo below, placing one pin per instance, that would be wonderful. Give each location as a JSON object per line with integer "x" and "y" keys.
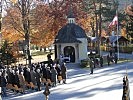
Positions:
{"x": 71, "y": 41}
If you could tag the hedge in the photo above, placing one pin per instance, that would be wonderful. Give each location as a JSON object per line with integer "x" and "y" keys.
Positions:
{"x": 122, "y": 49}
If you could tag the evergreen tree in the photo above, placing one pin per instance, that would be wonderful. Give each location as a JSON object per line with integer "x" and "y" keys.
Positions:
{"x": 6, "y": 53}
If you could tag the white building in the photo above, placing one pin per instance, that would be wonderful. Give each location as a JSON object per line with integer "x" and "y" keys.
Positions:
{"x": 71, "y": 41}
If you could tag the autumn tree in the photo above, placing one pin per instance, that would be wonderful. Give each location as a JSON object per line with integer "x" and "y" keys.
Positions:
{"x": 95, "y": 8}
{"x": 57, "y": 11}
{"x": 17, "y": 21}
{"x": 36, "y": 22}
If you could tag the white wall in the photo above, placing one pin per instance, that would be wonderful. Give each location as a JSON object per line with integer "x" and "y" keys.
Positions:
{"x": 80, "y": 52}
{"x": 83, "y": 49}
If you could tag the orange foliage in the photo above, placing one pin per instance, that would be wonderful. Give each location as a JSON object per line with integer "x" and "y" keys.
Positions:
{"x": 50, "y": 18}
{"x": 123, "y": 32}
{"x": 45, "y": 21}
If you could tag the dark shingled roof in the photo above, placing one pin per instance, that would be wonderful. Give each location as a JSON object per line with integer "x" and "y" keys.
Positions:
{"x": 114, "y": 38}
{"x": 69, "y": 34}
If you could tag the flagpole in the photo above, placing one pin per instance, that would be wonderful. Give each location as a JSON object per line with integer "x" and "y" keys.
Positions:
{"x": 117, "y": 35}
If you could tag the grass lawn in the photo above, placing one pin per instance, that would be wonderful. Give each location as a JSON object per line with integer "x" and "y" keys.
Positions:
{"x": 37, "y": 53}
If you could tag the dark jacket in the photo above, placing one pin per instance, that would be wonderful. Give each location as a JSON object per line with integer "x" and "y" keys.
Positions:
{"x": 44, "y": 72}
{"x": 53, "y": 75}
{"x": 3, "y": 81}
{"x": 28, "y": 77}
{"x": 38, "y": 76}
{"x": 0, "y": 81}
{"x": 48, "y": 74}
{"x": 58, "y": 71}
{"x": 17, "y": 82}
{"x": 63, "y": 71}
{"x": 46, "y": 92}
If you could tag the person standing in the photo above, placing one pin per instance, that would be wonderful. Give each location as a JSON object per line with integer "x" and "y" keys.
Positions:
{"x": 49, "y": 76}
{"x": 115, "y": 58}
{"x": 28, "y": 76}
{"x": 46, "y": 92}
{"x": 61, "y": 58}
{"x": 38, "y": 79}
{"x": 44, "y": 72}
{"x": 64, "y": 72}
{"x": 59, "y": 77}
{"x": 3, "y": 84}
{"x": 53, "y": 76}
{"x": 108, "y": 59}
{"x": 91, "y": 66}
{"x": 17, "y": 82}
{"x": 22, "y": 81}
{"x": 101, "y": 61}
{"x": 33, "y": 76}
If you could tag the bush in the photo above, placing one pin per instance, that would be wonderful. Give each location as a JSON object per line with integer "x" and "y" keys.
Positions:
{"x": 122, "y": 49}
{"x": 126, "y": 49}
{"x": 84, "y": 63}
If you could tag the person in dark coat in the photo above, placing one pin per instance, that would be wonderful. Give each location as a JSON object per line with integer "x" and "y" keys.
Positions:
{"x": 17, "y": 82}
{"x": 91, "y": 66}
{"x": 108, "y": 59}
{"x": 44, "y": 73}
{"x": 101, "y": 61}
{"x": 28, "y": 76}
{"x": 115, "y": 58}
{"x": 13, "y": 77}
{"x": 58, "y": 69}
{"x": 64, "y": 72}
{"x": 46, "y": 92}
{"x": 3, "y": 84}
{"x": 110, "y": 52}
{"x": 33, "y": 75}
{"x": 48, "y": 76}
{"x": 38, "y": 79}
{"x": 25, "y": 73}
{"x": 53, "y": 76}
{"x": 9, "y": 73}
{"x": 49, "y": 56}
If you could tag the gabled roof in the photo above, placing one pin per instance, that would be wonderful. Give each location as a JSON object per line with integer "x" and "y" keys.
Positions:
{"x": 113, "y": 39}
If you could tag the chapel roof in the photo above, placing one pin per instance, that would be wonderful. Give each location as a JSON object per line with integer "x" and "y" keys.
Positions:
{"x": 69, "y": 34}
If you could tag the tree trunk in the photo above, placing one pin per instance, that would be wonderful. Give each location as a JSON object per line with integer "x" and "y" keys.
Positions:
{"x": 26, "y": 27}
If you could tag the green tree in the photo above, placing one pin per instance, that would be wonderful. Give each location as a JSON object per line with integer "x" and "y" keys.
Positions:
{"x": 102, "y": 12}
{"x": 6, "y": 53}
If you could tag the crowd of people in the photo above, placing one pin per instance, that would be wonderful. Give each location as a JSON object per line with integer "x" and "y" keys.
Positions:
{"x": 98, "y": 62}
{"x": 23, "y": 77}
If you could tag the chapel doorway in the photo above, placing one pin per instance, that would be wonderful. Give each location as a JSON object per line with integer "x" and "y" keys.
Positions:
{"x": 69, "y": 51}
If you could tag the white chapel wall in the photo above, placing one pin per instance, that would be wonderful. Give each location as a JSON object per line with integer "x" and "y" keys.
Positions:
{"x": 83, "y": 48}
